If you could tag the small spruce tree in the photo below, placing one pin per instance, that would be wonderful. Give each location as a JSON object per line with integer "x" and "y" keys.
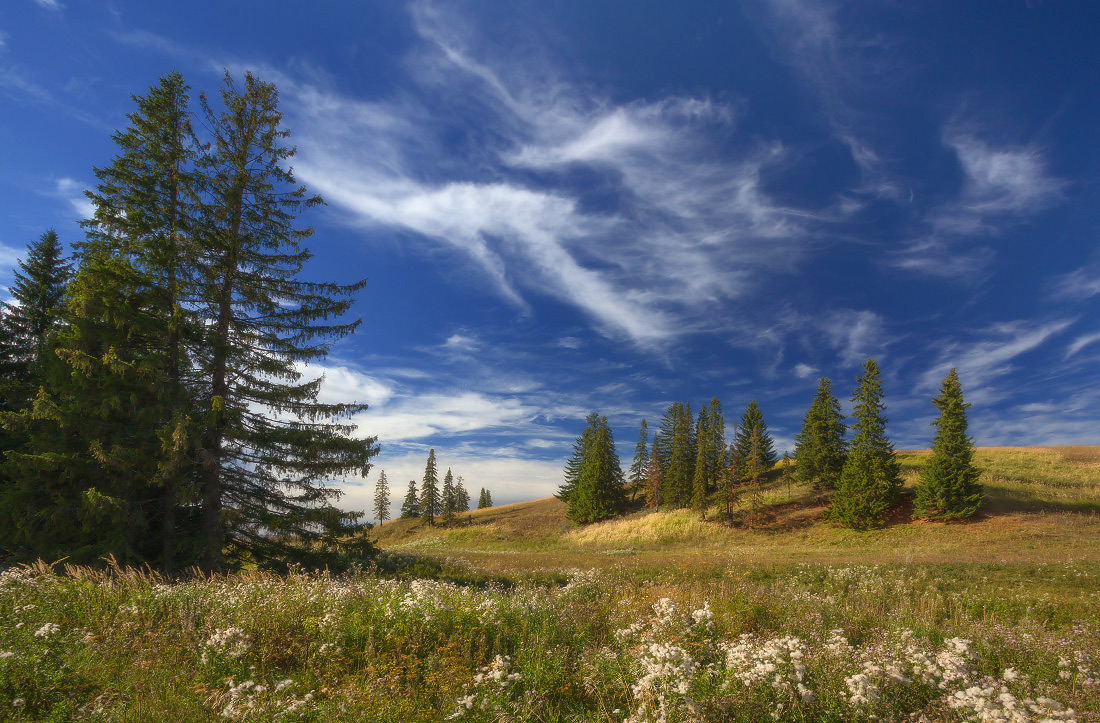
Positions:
{"x": 410, "y": 508}
{"x": 382, "y": 498}
{"x": 819, "y": 446}
{"x": 949, "y": 487}
{"x": 871, "y": 478}
{"x": 753, "y": 421}
{"x": 462, "y": 497}
{"x": 595, "y": 491}
{"x": 448, "y": 503}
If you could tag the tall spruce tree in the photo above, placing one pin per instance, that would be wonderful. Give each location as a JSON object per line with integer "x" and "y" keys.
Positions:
{"x": 448, "y": 503}
{"x": 596, "y": 488}
{"x": 410, "y": 507}
{"x": 716, "y": 445}
{"x": 871, "y": 478}
{"x": 752, "y": 421}
{"x": 382, "y": 498}
{"x": 949, "y": 487}
{"x": 268, "y": 447}
{"x": 637, "y": 476}
{"x": 430, "y": 502}
{"x": 819, "y": 446}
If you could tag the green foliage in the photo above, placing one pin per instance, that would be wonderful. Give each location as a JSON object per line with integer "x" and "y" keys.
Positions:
{"x": 462, "y": 497}
{"x": 430, "y": 502}
{"x": 753, "y": 419}
{"x": 654, "y": 482}
{"x": 949, "y": 487}
{"x": 870, "y": 480}
{"x": 593, "y": 487}
{"x": 485, "y": 499}
{"x": 382, "y": 498}
{"x": 675, "y": 444}
{"x": 410, "y": 507}
{"x": 819, "y": 446}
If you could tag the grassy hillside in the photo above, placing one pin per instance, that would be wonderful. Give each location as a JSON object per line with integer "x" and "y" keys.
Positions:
{"x": 1042, "y": 505}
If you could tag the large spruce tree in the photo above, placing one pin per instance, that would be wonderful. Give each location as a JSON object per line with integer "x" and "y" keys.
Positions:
{"x": 447, "y": 503}
{"x": 752, "y": 422}
{"x": 870, "y": 481}
{"x": 268, "y": 447}
{"x": 596, "y": 488}
{"x": 949, "y": 487}
{"x": 819, "y": 446}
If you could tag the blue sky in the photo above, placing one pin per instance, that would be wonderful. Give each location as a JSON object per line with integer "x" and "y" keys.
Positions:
{"x": 573, "y": 206}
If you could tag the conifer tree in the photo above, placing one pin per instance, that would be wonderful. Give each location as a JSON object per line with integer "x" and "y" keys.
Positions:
{"x": 485, "y": 500}
{"x": 410, "y": 507}
{"x": 752, "y": 420}
{"x": 754, "y": 469}
{"x": 382, "y": 498}
{"x": 30, "y": 320}
{"x": 716, "y": 445}
{"x": 596, "y": 490}
{"x": 870, "y": 480}
{"x": 654, "y": 483}
{"x": 637, "y": 476}
{"x": 676, "y": 449}
{"x": 462, "y": 497}
{"x": 430, "y": 502}
{"x": 819, "y": 445}
{"x": 448, "y": 503}
{"x": 699, "y": 477}
{"x": 27, "y": 329}
{"x": 949, "y": 487}
{"x": 267, "y": 445}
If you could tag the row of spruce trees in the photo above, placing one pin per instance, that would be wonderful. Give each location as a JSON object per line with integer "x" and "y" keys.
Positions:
{"x": 431, "y": 501}
{"x": 153, "y": 399}
{"x": 689, "y": 465}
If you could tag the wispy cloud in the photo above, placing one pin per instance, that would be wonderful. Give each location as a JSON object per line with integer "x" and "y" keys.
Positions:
{"x": 981, "y": 363}
{"x": 805, "y": 371}
{"x": 73, "y": 192}
{"x": 855, "y": 334}
{"x": 508, "y": 199}
{"x": 52, "y": 5}
{"x": 1081, "y": 342}
{"x": 1078, "y": 285}
{"x": 9, "y": 257}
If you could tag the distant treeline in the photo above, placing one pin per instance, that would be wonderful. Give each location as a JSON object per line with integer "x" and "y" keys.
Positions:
{"x": 689, "y": 465}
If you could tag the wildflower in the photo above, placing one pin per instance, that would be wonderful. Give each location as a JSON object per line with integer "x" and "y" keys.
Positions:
{"x": 18, "y": 703}
{"x": 47, "y": 630}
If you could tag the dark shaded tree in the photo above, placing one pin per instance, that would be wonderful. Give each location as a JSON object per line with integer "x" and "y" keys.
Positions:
{"x": 654, "y": 482}
{"x": 819, "y": 446}
{"x": 871, "y": 478}
{"x": 949, "y": 487}
{"x": 675, "y": 443}
{"x": 485, "y": 499}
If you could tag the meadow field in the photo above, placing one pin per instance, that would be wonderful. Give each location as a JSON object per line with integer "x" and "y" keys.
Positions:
{"x": 516, "y": 615}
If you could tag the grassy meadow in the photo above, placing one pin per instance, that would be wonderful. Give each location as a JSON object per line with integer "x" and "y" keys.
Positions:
{"x": 517, "y": 615}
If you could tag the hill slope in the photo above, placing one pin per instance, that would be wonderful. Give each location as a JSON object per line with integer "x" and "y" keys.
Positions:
{"x": 1042, "y": 505}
